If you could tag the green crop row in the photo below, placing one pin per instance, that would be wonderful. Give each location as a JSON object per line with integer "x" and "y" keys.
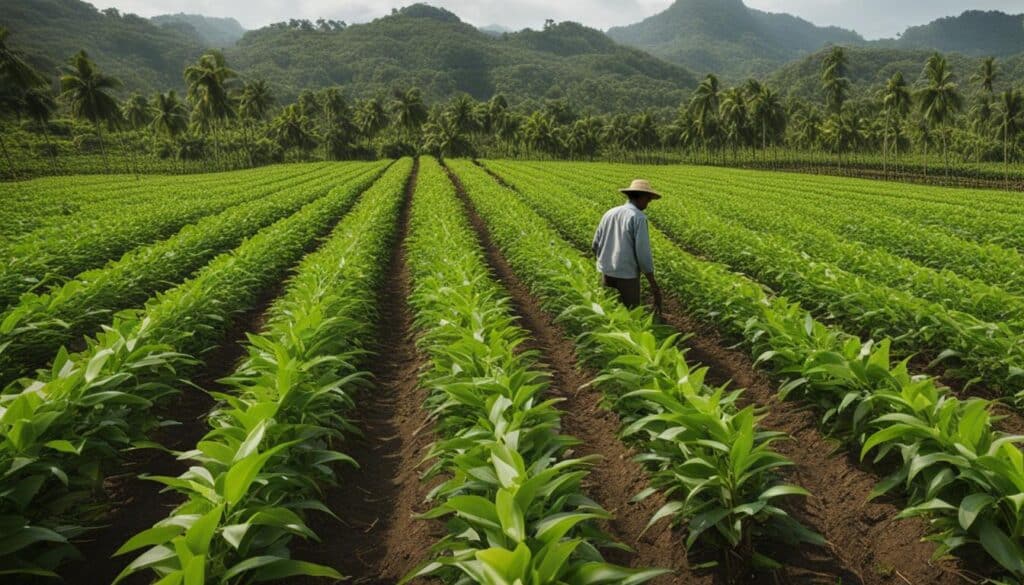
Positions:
{"x": 513, "y": 494}
{"x": 706, "y": 453}
{"x": 52, "y": 254}
{"x": 32, "y": 330}
{"x": 988, "y": 351}
{"x": 60, "y": 433}
{"x": 947, "y": 459}
{"x": 268, "y": 455}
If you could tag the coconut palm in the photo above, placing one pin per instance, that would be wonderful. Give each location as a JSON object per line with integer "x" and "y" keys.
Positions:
{"x": 1010, "y": 121}
{"x": 135, "y": 111}
{"x": 443, "y": 137}
{"x": 409, "y": 111}
{"x": 732, "y": 113}
{"x": 766, "y": 111}
{"x": 208, "y": 81}
{"x": 15, "y": 73}
{"x": 39, "y": 106}
{"x": 939, "y": 99}
{"x": 169, "y": 115}
{"x": 834, "y": 81}
{"x": 254, "y": 104}
{"x": 86, "y": 90}
{"x": 463, "y": 112}
{"x": 896, "y": 101}
{"x": 704, "y": 106}
{"x": 371, "y": 118}
{"x": 293, "y": 129}
{"x": 986, "y": 76}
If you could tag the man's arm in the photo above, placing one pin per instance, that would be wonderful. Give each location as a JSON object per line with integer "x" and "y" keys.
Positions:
{"x": 595, "y": 246}
{"x": 645, "y": 260}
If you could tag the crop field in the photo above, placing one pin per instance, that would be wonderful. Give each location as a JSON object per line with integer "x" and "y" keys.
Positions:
{"x": 409, "y": 371}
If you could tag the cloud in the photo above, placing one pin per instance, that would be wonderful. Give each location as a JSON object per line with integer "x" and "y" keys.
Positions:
{"x": 872, "y": 18}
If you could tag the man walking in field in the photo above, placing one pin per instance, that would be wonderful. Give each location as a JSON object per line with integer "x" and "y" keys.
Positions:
{"x": 623, "y": 246}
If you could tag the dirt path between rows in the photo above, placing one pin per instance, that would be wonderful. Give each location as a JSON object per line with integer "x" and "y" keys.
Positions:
{"x": 377, "y": 540}
{"x": 866, "y": 543}
{"x": 138, "y": 503}
{"x": 865, "y": 536}
{"x": 616, "y": 477}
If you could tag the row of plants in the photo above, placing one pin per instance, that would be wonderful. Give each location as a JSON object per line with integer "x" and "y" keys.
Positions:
{"x": 271, "y": 449}
{"x": 63, "y": 251}
{"x": 984, "y": 301}
{"x": 968, "y": 347}
{"x": 30, "y": 205}
{"x": 708, "y": 455}
{"x": 512, "y": 496}
{"x": 61, "y": 434}
{"x": 33, "y": 329}
{"x": 948, "y": 461}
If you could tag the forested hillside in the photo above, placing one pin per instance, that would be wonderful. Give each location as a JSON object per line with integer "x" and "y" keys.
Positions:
{"x": 728, "y": 38}
{"x": 974, "y": 32}
{"x": 432, "y": 49}
{"x": 145, "y": 56}
{"x": 215, "y": 32}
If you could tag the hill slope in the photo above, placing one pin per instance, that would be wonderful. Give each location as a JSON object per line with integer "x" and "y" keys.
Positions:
{"x": 146, "y": 57}
{"x": 728, "y": 38}
{"x": 431, "y": 48}
{"x": 974, "y": 32}
{"x": 215, "y": 32}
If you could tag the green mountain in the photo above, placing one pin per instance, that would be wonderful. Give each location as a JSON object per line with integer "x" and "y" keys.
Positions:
{"x": 214, "y": 32}
{"x": 417, "y": 45}
{"x": 143, "y": 55}
{"x": 974, "y": 32}
{"x": 431, "y": 48}
{"x": 728, "y": 38}
{"x": 870, "y": 67}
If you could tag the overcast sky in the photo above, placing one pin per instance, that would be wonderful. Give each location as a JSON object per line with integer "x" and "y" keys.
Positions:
{"x": 871, "y": 18}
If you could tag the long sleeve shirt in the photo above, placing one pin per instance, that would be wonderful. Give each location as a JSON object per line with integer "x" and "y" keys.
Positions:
{"x": 622, "y": 243}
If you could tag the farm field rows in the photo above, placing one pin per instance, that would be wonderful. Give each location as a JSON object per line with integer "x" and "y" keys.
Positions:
{"x": 408, "y": 371}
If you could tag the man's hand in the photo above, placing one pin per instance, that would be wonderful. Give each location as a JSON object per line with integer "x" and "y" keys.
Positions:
{"x": 656, "y": 291}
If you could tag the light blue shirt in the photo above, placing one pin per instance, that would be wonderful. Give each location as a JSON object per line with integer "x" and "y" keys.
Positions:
{"x": 622, "y": 243}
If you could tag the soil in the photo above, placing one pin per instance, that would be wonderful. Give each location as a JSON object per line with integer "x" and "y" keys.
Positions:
{"x": 865, "y": 536}
{"x": 866, "y": 543}
{"x": 616, "y": 478}
{"x": 137, "y": 504}
{"x": 378, "y": 540}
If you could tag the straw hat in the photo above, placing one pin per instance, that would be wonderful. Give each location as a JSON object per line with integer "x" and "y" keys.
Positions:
{"x": 640, "y": 186}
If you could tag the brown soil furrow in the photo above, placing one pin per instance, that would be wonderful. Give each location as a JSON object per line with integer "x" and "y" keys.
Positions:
{"x": 866, "y": 543}
{"x": 378, "y": 539}
{"x": 616, "y": 478}
{"x": 138, "y": 503}
{"x": 865, "y": 536}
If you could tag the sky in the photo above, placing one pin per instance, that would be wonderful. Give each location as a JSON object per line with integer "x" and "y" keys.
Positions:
{"x": 872, "y": 18}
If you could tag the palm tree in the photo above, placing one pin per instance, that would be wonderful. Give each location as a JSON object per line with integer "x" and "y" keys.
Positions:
{"x": 254, "y": 104}
{"x": 735, "y": 122}
{"x": 766, "y": 111}
{"x": 208, "y": 91}
{"x": 834, "y": 81}
{"x": 987, "y": 75}
{"x": 135, "y": 111}
{"x": 39, "y": 105}
{"x": 341, "y": 131}
{"x": 939, "y": 100}
{"x": 896, "y": 101}
{"x": 704, "y": 106}
{"x": 409, "y": 111}
{"x": 643, "y": 132}
{"x": 86, "y": 91}
{"x": 443, "y": 137}
{"x": 1010, "y": 118}
{"x": 372, "y": 118}
{"x": 463, "y": 112}
{"x": 293, "y": 129}
{"x": 169, "y": 115}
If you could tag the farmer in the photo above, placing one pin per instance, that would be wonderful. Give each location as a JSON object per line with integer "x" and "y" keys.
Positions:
{"x": 623, "y": 246}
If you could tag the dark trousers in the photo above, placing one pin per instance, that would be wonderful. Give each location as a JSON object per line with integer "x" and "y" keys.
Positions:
{"x": 628, "y": 289}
